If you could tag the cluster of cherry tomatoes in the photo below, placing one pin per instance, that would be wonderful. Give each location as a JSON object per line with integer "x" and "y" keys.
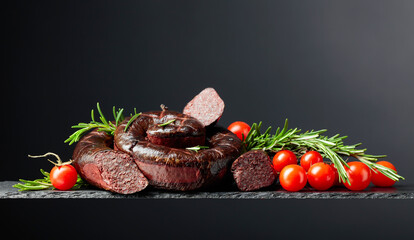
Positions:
{"x": 311, "y": 169}
{"x": 322, "y": 176}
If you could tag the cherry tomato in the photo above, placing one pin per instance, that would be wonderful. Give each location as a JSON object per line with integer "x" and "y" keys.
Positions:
{"x": 293, "y": 178}
{"x": 336, "y": 178}
{"x": 321, "y": 176}
{"x": 284, "y": 158}
{"x": 310, "y": 158}
{"x": 63, "y": 177}
{"x": 240, "y": 129}
{"x": 359, "y": 176}
{"x": 380, "y": 179}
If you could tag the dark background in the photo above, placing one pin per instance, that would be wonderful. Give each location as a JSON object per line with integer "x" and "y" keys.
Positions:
{"x": 347, "y": 66}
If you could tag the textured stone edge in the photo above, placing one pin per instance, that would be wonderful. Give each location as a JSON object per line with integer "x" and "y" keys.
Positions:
{"x": 7, "y": 192}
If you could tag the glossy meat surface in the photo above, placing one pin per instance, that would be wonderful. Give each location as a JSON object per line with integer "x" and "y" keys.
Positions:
{"x": 177, "y": 168}
{"x": 105, "y": 168}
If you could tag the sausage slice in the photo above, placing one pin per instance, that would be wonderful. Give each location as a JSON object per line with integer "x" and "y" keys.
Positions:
{"x": 253, "y": 170}
{"x": 207, "y": 107}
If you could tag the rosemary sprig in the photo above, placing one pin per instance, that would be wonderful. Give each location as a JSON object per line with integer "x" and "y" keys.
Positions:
{"x": 197, "y": 148}
{"x": 332, "y": 148}
{"x": 166, "y": 123}
{"x": 43, "y": 183}
{"x": 131, "y": 120}
{"x": 104, "y": 125}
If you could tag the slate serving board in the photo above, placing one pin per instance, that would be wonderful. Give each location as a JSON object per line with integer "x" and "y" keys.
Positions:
{"x": 397, "y": 192}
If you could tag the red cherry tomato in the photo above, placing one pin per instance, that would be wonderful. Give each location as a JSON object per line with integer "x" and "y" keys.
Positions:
{"x": 321, "y": 176}
{"x": 282, "y": 159}
{"x": 293, "y": 178}
{"x": 63, "y": 177}
{"x": 240, "y": 129}
{"x": 359, "y": 176}
{"x": 310, "y": 158}
{"x": 380, "y": 179}
{"x": 336, "y": 178}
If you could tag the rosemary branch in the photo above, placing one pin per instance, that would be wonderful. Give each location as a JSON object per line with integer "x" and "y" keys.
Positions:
{"x": 197, "y": 148}
{"x": 104, "y": 125}
{"x": 44, "y": 183}
{"x": 166, "y": 123}
{"x": 332, "y": 148}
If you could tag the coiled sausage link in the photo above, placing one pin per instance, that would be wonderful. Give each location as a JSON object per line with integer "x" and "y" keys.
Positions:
{"x": 174, "y": 168}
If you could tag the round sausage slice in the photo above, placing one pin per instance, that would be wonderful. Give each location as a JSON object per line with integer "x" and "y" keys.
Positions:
{"x": 207, "y": 107}
{"x": 253, "y": 170}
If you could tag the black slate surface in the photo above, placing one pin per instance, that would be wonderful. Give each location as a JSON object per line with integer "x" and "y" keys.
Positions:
{"x": 397, "y": 192}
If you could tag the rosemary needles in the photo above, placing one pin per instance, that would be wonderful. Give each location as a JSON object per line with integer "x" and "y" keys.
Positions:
{"x": 104, "y": 125}
{"x": 332, "y": 148}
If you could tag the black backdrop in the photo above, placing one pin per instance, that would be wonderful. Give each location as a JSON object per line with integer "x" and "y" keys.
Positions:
{"x": 347, "y": 66}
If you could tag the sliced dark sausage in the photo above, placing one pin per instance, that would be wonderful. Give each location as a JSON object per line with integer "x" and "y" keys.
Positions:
{"x": 207, "y": 107}
{"x": 174, "y": 168}
{"x": 182, "y": 131}
{"x": 105, "y": 168}
{"x": 253, "y": 170}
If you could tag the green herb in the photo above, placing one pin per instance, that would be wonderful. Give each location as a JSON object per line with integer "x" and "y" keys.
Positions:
{"x": 166, "y": 123}
{"x": 131, "y": 120}
{"x": 197, "y": 148}
{"x": 118, "y": 115}
{"x": 43, "y": 183}
{"x": 103, "y": 125}
{"x": 332, "y": 148}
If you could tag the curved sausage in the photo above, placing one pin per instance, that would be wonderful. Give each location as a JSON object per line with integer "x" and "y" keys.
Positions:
{"x": 105, "y": 168}
{"x": 181, "y": 132}
{"x": 174, "y": 168}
